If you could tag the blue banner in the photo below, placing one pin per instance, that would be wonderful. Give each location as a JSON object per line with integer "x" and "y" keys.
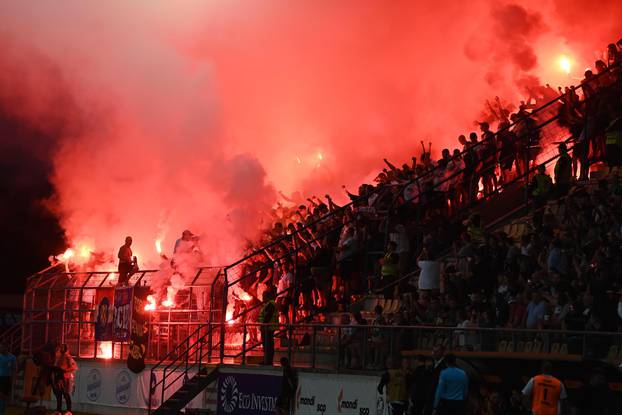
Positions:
{"x": 247, "y": 394}
{"x": 122, "y": 313}
{"x": 105, "y": 314}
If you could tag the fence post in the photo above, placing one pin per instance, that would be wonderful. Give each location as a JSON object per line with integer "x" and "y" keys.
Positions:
{"x": 339, "y": 351}
{"x": 289, "y": 342}
{"x": 223, "y": 317}
{"x": 163, "y": 384}
{"x": 313, "y": 347}
{"x": 365, "y": 340}
{"x": 244, "y": 343}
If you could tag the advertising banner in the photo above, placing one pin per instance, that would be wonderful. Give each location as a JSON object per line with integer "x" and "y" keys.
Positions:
{"x": 115, "y": 385}
{"x": 105, "y": 314}
{"x": 122, "y": 313}
{"x": 247, "y": 394}
{"x": 320, "y": 394}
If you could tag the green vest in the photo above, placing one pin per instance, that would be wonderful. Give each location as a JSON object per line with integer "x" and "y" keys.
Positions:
{"x": 613, "y": 138}
{"x": 388, "y": 267}
{"x": 543, "y": 185}
{"x": 613, "y": 135}
{"x": 397, "y": 389}
{"x": 274, "y": 318}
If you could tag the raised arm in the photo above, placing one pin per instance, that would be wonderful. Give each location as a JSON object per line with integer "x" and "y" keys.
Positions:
{"x": 388, "y": 163}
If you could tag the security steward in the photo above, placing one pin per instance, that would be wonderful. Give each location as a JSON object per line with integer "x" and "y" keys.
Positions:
{"x": 269, "y": 318}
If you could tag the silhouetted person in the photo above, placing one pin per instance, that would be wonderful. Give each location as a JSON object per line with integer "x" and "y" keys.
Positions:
{"x": 127, "y": 262}
{"x": 563, "y": 171}
{"x": 419, "y": 380}
{"x": 596, "y": 398}
{"x": 270, "y": 318}
{"x": 289, "y": 385}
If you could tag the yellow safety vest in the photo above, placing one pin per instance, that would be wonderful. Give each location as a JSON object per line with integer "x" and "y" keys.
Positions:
{"x": 543, "y": 185}
{"x": 396, "y": 388}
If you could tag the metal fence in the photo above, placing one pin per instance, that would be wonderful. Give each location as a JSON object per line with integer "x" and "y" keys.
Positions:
{"x": 63, "y": 307}
{"x": 330, "y": 346}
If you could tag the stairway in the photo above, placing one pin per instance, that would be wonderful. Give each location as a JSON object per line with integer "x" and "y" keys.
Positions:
{"x": 184, "y": 395}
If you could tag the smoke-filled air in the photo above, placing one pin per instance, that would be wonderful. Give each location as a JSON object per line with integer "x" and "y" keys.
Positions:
{"x": 170, "y": 115}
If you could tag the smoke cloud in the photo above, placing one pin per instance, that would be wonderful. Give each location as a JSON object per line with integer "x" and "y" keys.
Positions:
{"x": 192, "y": 115}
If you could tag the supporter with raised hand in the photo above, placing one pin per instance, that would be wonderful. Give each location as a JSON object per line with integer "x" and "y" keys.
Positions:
{"x": 507, "y": 148}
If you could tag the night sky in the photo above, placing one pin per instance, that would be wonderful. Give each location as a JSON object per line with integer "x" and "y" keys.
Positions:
{"x": 30, "y": 231}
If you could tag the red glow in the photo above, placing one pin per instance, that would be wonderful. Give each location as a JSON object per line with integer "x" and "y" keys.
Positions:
{"x": 105, "y": 350}
{"x": 205, "y": 118}
{"x": 151, "y": 303}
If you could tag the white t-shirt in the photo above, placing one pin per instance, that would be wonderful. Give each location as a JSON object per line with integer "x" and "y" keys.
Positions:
{"x": 430, "y": 276}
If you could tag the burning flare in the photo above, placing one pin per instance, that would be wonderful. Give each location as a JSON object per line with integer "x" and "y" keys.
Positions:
{"x": 67, "y": 255}
{"x": 565, "y": 65}
{"x": 105, "y": 350}
{"x": 152, "y": 303}
{"x": 229, "y": 317}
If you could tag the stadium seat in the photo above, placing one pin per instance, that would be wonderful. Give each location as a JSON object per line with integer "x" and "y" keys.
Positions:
{"x": 388, "y": 305}
{"x": 370, "y": 304}
{"x": 537, "y": 346}
{"x": 395, "y": 306}
{"x": 564, "y": 349}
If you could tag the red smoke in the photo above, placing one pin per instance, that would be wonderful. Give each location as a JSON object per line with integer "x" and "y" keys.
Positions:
{"x": 180, "y": 115}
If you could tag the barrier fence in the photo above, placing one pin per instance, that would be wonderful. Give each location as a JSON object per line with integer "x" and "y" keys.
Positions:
{"x": 335, "y": 346}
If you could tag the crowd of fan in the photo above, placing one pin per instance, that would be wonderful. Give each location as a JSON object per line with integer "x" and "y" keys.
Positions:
{"x": 318, "y": 250}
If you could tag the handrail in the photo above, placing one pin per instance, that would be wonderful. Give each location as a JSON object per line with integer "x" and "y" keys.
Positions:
{"x": 588, "y": 344}
{"x": 446, "y": 328}
{"x": 179, "y": 360}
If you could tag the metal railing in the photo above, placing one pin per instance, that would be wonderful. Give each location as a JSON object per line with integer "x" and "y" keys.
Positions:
{"x": 187, "y": 359}
{"x": 63, "y": 307}
{"x": 331, "y": 346}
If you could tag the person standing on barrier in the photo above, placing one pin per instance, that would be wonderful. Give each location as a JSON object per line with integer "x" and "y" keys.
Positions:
{"x": 127, "y": 263}
{"x": 452, "y": 390}
{"x": 545, "y": 394}
{"x": 395, "y": 381}
{"x": 269, "y": 318}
